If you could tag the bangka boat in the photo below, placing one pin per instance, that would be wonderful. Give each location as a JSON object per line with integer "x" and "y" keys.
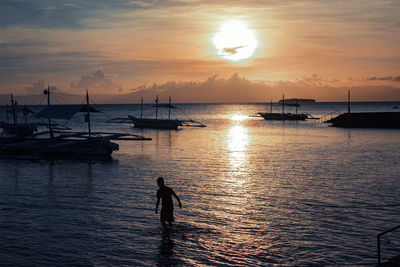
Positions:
{"x": 157, "y": 123}
{"x": 13, "y": 127}
{"x": 64, "y": 143}
{"x": 284, "y": 116}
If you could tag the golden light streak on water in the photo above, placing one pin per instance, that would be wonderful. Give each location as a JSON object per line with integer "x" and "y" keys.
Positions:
{"x": 237, "y": 146}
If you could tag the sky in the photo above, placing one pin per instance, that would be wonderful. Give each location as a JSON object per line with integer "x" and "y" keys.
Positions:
{"x": 203, "y": 51}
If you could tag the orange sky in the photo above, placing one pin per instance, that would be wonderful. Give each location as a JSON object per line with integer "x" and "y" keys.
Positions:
{"x": 306, "y": 47}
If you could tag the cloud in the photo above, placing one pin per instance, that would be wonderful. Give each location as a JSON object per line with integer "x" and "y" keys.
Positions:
{"x": 97, "y": 82}
{"x": 65, "y": 15}
{"x": 214, "y": 89}
{"x": 213, "y": 83}
{"x": 232, "y": 50}
{"x": 240, "y": 89}
{"x": 141, "y": 4}
{"x": 39, "y": 13}
{"x": 235, "y": 89}
{"x": 387, "y": 78}
{"x": 56, "y": 66}
{"x": 39, "y": 87}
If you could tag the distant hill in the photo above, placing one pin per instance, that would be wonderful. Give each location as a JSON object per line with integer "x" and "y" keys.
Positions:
{"x": 297, "y": 100}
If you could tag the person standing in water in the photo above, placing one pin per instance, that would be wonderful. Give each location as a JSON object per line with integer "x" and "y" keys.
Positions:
{"x": 165, "y": 193}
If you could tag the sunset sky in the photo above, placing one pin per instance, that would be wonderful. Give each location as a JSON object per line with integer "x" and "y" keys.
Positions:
{"x": 203, "y": 51}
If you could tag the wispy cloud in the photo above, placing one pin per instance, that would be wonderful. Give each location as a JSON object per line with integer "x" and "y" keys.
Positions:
{"x": 387, "y": 78}
{"x": 232, "y": 50}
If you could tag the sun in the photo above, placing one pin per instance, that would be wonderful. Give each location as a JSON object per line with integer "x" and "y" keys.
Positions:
{"x": 235, "y": 41}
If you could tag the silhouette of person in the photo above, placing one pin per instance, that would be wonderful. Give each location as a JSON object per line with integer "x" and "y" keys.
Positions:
{"x": 165, "y": 193}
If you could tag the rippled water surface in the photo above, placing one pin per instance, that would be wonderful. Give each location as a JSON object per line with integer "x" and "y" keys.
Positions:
{"x": 254, "y": 192}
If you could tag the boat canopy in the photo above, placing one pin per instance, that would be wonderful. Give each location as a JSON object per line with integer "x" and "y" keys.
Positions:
{"x": 64, "y": 112}
{"x": 22, "y": 109}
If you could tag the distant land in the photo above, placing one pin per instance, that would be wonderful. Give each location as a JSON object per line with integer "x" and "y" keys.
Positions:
{"x": 297, "y": 100}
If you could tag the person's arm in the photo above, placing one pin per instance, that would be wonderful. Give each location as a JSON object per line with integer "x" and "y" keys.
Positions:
{"x": 177, "y": 198}
{"x": 157, "y": 204}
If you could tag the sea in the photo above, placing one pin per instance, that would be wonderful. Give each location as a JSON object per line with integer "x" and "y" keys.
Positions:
{"x": 254, "y": 193}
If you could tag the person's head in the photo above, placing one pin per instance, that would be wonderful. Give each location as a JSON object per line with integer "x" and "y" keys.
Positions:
{"x": 160, "y": 181}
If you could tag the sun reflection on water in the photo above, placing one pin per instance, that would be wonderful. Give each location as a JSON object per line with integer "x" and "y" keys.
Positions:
{"x": 235, "y": 178}
{"x": 238, "y": 140}
{"x": 238, "y": 117}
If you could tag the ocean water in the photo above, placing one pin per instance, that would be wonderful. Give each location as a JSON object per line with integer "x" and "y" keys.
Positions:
{"x": 254, "y": 193}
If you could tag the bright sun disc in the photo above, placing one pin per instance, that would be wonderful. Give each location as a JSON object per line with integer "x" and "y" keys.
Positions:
{"x": 234, "y": 41}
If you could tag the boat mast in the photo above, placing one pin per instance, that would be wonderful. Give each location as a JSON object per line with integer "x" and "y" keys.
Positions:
{"x": 271, "y": 107}
{"x": 14, "y": 109}
{"x": 141, "y": 108}
{"x": 169, "y": 108}
{"x": 283, "y": 104}
{"x": 157, "y": 107}
{"x": 25, "y": 112}
{"x": 348, "y": 101}
{"x": 88, "y": 112}
{"x": 8, "y": 118}
{"x": 47, "y": 92}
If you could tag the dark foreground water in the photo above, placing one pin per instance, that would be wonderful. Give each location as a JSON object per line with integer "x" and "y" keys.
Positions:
{"x": 254, "y": 192}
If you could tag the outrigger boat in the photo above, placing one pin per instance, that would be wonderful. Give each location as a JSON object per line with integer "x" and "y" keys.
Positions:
{"x": 12, "y": 128}
{"x": 284, "y": 116}
{"x": 15, "y": 128}
{"x": 157, "y": 123}
{"x": 63, "y": 143}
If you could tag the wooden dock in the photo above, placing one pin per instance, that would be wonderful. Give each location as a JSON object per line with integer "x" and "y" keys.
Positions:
{"x": 367, "y": 120}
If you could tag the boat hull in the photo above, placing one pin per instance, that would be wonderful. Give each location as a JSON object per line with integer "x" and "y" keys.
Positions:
{"x": 95, "y": 147}
{"x": 285, "y": 116}
{"x": 18, "y": 130}
{"x": 155, "y": 123}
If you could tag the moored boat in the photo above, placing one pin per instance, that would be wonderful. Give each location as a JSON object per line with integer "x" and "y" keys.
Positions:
{"x": 56, "y": 143}
{"x": 157, "y": 123}
{"x": 284, "y": 116}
